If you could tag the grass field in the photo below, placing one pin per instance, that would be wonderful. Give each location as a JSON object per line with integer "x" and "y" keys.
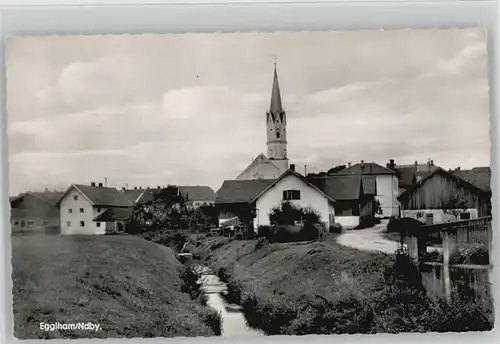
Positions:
{"x": 326, "y": 288}
{"x": 295, "y": 270}
{"x": 129, "y": 286}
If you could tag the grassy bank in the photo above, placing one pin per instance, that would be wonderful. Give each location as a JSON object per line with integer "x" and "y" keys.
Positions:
{"x": 324, "y": 287}
{"x": 131, "y": 287}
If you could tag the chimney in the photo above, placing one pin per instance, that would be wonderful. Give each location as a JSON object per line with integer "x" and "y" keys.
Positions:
{"x": 458, "y": 168}
{"x": 135, "y": 187}
{"x": 362, "y": 164}
{"x": 92, "y": 183}
{"x": 100, "y": 185}
{"x": 292, "y": 167}
{"x": 392, "y": 164}
{"x": 348, "y": 164}
{"x": 432, "y": 162}
{"x": 416, "y": 165}
{"x": 159, "y": 187}
{"x": 123, "y": 188}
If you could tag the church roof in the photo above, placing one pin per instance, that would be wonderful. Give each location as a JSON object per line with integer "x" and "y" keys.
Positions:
{"x": 259, "y": 160}
{"x": 276, "y": 107}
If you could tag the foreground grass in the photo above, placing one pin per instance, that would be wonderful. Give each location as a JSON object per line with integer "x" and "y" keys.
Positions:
{"x": 129, "y": 286}
{"x": 326, "y": 288}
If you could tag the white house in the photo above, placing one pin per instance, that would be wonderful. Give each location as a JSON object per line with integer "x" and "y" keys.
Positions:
{"x": 81, "y": 204}
{"x": 266, "y": 194}
{"x": 387, "y": 184}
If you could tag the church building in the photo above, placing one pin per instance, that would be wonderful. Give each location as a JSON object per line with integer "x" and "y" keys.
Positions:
{"x": 276, "y": 162}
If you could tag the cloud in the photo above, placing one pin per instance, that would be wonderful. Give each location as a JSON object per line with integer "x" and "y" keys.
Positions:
{"x": 190, "y": 109}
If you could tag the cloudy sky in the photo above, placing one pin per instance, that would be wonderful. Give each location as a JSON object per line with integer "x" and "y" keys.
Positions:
{"x": 147, "y": 110}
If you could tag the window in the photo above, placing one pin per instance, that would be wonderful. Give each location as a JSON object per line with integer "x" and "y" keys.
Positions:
{"x": 465, "y": 216}
{"x": 289, "y": 195}
{"x": 278, "y": 134}
{"x": 75, "y": 197}
{"x": 30, "y": 224}
{"x": 16, "y": 223}
{"x": 98, "y": 210}
{"x": 23, "y": 224}
{"x": 82, "y": 223}
{"x": 68, "y": 223}
{"x": 70, "y": 210}
{"x": 81, "y": 210}
{"x": 98, "y": 224}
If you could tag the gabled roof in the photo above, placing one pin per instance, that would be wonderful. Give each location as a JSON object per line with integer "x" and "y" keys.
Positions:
{"x": 478, "y": 176}
{"x": 260, "y": 159}
{"x": 346, "y": 187}
{"x": 100, "y": 196}
{"x": 51, "y": 197}
{"x": 241, "y": 191}
{"x": 132, "y": 194}
{"x": 407, "y": 174}
{"x": 367, "y": 168}
{"x": 446, "y": 174}
{"x": 197, "y": 193}
{"x": 115, "y": 214}
{"x": 291, "y": 172}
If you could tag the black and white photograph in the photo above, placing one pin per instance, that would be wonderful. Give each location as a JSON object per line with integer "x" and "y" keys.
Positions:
{"x": 250, "y": 184}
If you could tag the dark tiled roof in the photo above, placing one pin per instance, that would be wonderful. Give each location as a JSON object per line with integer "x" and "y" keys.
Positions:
{"x": 132, "y": 194}
{"x": 447, "y": 174}
{"x": 367, "y": 168}
{"x": 104, "y": 196}
{"x": 241, "y": 191}
{"x": 51, "y": 197}
{"x": 478, "y": 176}
{"x": 115, "y": 214}
{"x": 197, "y": 193}
{"x": 345, "y": 187}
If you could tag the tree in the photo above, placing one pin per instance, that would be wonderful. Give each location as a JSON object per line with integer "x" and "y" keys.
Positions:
{"x": 165, "y": 210}
{"x": 454, "y": 206}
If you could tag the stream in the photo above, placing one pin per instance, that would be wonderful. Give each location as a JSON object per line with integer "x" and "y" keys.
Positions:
{"x": 233, "y": 321}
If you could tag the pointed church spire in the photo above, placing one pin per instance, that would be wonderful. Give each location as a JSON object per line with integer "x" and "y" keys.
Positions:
{"x": 276, "y": 107}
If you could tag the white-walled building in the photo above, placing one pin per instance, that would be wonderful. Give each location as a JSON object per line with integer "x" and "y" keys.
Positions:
{"x": 81, "y": 204}
{"x": 267, "y": 194}
{"x": 387, "y": 185}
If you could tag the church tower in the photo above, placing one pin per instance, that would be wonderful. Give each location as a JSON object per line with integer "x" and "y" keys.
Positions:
{"x": 276, "y": 128}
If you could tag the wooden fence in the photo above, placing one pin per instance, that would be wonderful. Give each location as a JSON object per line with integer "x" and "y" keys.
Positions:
{"x": 452, "y": 235}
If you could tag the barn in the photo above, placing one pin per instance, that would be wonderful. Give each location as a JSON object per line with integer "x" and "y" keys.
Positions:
{"x": 444, "y": 196}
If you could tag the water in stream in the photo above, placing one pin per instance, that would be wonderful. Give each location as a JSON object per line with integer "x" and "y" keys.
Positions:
{"x": 233, "y": 320}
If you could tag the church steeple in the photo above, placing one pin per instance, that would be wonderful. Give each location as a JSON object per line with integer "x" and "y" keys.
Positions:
{"x": 276, "y": 107}
{"x": 276, "y": 127}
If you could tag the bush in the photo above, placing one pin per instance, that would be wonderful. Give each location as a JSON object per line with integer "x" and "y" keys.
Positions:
{"x": 189, "y": 282}
{"x": 335, "y": 228}
{"x": 173, "y": 239}
{"x": 264, "y": 232}
{"x": 212, "y": 319}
